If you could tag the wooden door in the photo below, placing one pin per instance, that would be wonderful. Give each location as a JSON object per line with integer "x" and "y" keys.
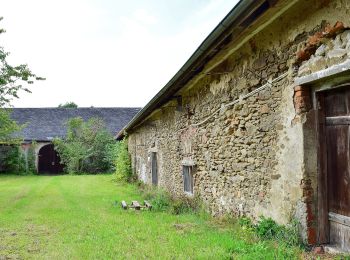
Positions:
{"x": 335, "y": 108}
{"x": 49, "y": 160}
{"x": 154, "y": 169}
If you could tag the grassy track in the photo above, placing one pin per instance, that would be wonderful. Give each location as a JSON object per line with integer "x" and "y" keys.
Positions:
{"x": 74, "y": 217}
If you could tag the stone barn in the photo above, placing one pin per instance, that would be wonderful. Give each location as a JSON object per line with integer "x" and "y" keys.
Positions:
{"x": 42, "y": 125}
{"x": 256, "y": 122}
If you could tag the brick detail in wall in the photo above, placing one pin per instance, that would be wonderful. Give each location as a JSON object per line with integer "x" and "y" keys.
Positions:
{"x": 317, "y": 39}
{"x": 309, "y": 200}
{"x": 302, "y": 99}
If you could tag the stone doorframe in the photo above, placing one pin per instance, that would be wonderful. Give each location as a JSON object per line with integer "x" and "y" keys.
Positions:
{"x": 313, "y": 184}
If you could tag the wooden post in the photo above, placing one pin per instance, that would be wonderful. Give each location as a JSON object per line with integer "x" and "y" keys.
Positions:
{"x": 124, "y": 205}
{"x": 136, "y": 205}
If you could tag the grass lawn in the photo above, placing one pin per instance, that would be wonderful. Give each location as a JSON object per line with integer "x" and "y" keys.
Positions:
{"x": 75, "y": 217}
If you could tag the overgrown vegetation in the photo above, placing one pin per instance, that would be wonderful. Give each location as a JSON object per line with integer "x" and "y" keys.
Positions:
{"x": 267, "y": 228}
{"x": 79, "y": 214}
{"x": 256, "y": 241}
{"x": 7, "y": 127}
{"x": 87, "y": 147}
{"x": 123, "y": 162}
{"x": 161, "y": 200}
{"x": 251, "y": 241}
{"x": 13, "y": 159}
{"x": 13, "y": 79}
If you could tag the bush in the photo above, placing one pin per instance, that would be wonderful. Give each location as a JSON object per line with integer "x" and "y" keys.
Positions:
{"x": 245, "y": 222}
{"x": 161, "y": 200}
{"x": 86, "y": 147}
{"x": 111, "y": 155}
{"x": 123, "y": 162}
{"x": 185, "y": 204}
{"x": 14, "y": 160}
{"x": 267, "y": 228}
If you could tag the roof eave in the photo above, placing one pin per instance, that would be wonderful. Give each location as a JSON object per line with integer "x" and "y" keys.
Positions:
{"x": 197, "y": 60}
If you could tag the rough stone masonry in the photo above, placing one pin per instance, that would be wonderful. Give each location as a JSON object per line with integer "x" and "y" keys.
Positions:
{"x": 258, "y": 156}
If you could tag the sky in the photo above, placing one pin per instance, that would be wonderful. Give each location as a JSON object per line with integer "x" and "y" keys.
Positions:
{"x": 104, "y": 53}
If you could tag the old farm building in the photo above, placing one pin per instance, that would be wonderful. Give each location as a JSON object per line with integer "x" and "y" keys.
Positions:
{"x": 44, "y": 124}
{"x": 257, "y": 120}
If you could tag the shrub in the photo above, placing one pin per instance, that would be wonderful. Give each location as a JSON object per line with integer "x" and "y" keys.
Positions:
{"x": 290, "y": 234}
{"x": 14, "y": 160}
{"x": 245, "y": 222}
{"x": 111, "y": 155}
{"x": 85, "y": 149}
{"x": 161, "y": 200}
{"x": 267, "y": 228}
{"x": 9, "y": 158}
{"x": 185, "y": 204}
{"x": 123, "y": 163}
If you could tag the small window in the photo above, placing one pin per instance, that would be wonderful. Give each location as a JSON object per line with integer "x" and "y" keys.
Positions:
{"x": 154, "y": 169}
{"x": 188, "y": 178}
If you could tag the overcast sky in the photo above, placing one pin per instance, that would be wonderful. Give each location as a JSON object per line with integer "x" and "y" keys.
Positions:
{"x": 104, "y": 53}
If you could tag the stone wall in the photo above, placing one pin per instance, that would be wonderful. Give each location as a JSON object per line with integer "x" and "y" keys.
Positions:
{"x": 249, "y": 157}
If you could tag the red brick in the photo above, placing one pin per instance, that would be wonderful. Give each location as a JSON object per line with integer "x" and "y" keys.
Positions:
{"x": 311, "y": 236}
{"x": 298, "y": 88}
{"x": 301, "y": 93}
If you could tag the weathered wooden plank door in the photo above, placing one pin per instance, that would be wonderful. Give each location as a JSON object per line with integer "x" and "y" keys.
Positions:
{"x": 49, "y": 160}
{"x": 336, "y": 135}
{"x": 154, "y": 169}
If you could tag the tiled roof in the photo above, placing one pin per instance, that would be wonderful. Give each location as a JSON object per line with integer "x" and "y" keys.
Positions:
{"x": 43, "y": 124}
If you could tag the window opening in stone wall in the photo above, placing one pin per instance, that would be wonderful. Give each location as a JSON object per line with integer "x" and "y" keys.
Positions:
{"x": 188, "y": 178}
{"x": 154, "y": 169}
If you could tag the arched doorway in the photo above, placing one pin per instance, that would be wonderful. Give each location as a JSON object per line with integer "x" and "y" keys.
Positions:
{"x": 49, "y": 160}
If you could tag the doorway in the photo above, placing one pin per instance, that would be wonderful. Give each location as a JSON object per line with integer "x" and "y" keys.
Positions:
{"x": 49, "y": 160}
{"x": 334, "y": 160}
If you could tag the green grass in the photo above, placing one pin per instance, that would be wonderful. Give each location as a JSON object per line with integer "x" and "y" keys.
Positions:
{"x": 75, "y": 217}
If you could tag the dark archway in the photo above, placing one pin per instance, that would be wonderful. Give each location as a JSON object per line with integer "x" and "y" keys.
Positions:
{"x": 49, "y": 160}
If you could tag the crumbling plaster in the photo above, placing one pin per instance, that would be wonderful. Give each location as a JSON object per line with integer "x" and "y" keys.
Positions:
{"x": 255, "y": 157}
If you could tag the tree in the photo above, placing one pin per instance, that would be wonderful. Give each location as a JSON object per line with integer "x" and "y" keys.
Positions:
{"x": 7, "y": 127}
{"x": 68, "y": 105}
{"x": 12, "y": 78}
{"x": 86, "y": 147}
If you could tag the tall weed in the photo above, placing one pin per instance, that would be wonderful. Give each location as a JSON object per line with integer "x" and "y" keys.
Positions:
{"x": 161, "y": 200}
{"x": 268, "y": 229}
